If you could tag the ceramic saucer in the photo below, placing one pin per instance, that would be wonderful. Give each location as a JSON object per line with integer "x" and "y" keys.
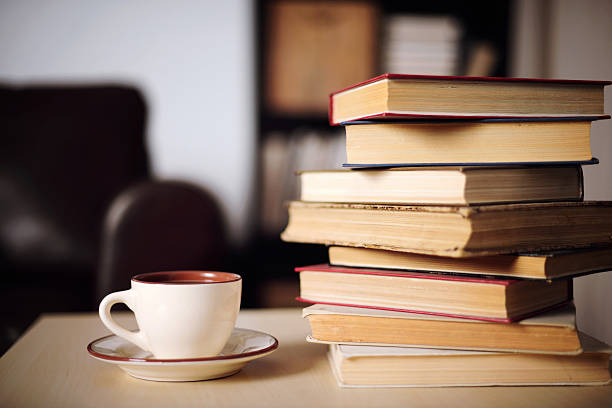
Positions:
{"x": 243, "y": 346}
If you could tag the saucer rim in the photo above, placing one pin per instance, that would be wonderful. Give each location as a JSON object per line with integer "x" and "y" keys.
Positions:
{"x": 106, "y": 357}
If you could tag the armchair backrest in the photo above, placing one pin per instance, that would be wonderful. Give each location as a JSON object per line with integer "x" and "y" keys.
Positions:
{"x": 65, "y": 153}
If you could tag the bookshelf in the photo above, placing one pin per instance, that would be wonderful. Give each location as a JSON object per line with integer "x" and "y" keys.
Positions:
{"x": 484, "y": 26}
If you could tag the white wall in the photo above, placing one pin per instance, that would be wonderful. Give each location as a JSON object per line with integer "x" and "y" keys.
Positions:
{"x": 571, "y": 39}
{"x": 192, "y": 59}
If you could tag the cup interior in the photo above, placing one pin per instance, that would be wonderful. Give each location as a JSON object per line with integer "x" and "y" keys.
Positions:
{"x": 186, "y": 277}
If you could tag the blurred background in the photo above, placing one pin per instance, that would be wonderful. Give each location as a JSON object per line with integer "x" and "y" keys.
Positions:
{"x": 156, "y": 135}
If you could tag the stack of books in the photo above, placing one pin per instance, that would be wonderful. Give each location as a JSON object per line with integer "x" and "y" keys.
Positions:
{"x": 454, "y": 238}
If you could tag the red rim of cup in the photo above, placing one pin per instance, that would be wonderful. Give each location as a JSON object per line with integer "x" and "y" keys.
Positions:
{"x": 198, "y": 277}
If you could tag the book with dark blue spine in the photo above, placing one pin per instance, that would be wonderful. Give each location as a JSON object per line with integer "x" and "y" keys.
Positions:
{"x": 474, "y": 143}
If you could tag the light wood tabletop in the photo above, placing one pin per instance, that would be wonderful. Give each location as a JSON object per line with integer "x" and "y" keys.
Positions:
{"x": 50, "y": 367}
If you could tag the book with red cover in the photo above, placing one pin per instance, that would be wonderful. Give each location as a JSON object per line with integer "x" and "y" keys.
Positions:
{"x": 482, "y": 298}
{"x": 399, "y": 96}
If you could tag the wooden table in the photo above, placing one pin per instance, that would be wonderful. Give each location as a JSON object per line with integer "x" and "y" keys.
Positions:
{"x": 49, "y": 367}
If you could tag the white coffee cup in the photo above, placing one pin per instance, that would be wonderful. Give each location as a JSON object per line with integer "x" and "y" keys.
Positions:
{"x": 181, "y": 314}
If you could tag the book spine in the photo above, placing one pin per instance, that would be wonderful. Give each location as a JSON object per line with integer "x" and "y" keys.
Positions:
{"x": 594, "y": 160}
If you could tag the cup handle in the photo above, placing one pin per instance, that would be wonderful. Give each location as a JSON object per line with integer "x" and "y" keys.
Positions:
{"x": 126, "y": 297}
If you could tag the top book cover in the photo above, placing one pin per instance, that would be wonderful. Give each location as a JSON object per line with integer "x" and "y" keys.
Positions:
{"x": 399, "y": 96}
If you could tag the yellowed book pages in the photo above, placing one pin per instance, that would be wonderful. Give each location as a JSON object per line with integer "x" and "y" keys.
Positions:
{"x": 544, "y": 265}
{"x": 466, "y": 142}
{"x": 396, "y": 95}
{"x": 443, "y": 185}
{"x": 553, "y": 332}
{"x": 371, "y": 366}
{"x": 452, "y": 231}
{"x": 488, "y": 299}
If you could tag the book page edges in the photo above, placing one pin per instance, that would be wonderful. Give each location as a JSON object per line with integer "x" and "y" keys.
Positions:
{"x": 456, "y": 252}
{"x": 564, "y": 316}
{"x": 341, "y": 383}
{"x": 460, "y": 316}
{"x": 493, "y": 280}
{"x": 465, "y": 211}
{"x": 589, "y": 345}
{"x": 576, "y": 352}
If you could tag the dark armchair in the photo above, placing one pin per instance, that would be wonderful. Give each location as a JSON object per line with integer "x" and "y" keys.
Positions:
{"x": 79, "y": 211}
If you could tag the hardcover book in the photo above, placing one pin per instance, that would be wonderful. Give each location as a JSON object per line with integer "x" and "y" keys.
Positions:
{"x": 452, "y": 142}
{"x": 552, "y": 332}
{"x": 488, "y": 299}
{"x": 368, "y": 366}
{"x": 444, "y": 185}
{"x": 455, "y": 231}
{"x": 424, "y": 96}
{"x": 544, "y": 265}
